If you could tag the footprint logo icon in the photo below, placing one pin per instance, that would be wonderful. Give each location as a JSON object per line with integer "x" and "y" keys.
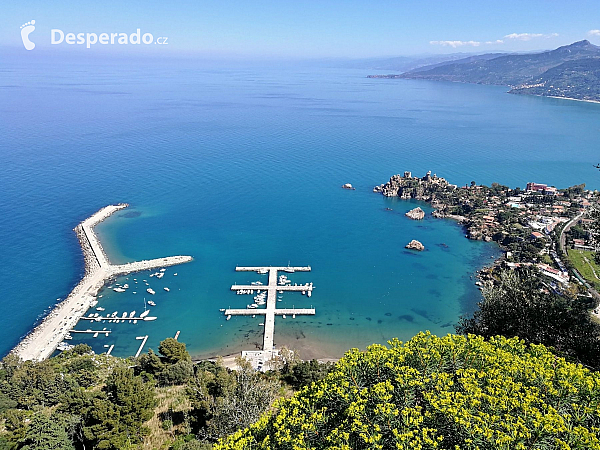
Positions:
{"x": 26, "y": 30}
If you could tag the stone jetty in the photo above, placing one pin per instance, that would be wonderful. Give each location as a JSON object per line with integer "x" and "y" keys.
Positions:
{"x": 41, "y": 342}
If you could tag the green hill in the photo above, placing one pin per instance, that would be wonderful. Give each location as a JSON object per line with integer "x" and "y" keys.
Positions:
{"x": 579, "y": 79}
{"x": 509, "y": 70}
{"x": 571, "y": 70}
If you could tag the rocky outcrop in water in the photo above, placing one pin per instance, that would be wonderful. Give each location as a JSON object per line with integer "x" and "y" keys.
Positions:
{"x": 416, "y": 214}
{"x": 415, "y": 245}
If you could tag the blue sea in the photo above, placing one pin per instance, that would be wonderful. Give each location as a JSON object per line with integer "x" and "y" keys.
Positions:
{"x": 242, "y": 164}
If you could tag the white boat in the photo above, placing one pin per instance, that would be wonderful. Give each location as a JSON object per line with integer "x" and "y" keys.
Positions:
{"x": 124, "y": 315}
{"x": 125, "y": 286}
{"x": 175, "y": 274}
{"x": 293, "y": 316}
{"x": 222, "y": 309}
{"x": 309, "y": 293}
{"x": 261, "y": 324}
{"x": 303, "y": 292}
{"x": 283, "y": 316}
{"x": 135, "y": 321}
{"x": 68, "y": 336}
{"x": 93, "y": 303}
{"x": 100, "y": 308}
{"x": 149, "y": 318}
{"x": 132, "y": 314}
{"x": 150, "y": 291}
{"x": 118, "y": 289}
{"x": 167, "y": 289}
{"x": 228, "y": 317}
{"x": 151, "y": 303}
{"x": 144, "y": 314}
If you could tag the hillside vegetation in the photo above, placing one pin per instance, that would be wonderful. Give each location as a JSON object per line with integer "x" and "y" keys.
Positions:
{"x": 578, "y": 79}
{"x": 454, "y": 392}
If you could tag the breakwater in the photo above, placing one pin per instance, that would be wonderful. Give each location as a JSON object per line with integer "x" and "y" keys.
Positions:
{"x": 41, "y": 342}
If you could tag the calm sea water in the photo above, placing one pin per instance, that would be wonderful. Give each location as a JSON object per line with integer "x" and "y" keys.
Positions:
{"x": 243, "y": 166}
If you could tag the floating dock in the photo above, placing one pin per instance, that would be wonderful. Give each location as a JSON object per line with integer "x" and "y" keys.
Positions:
{"x": 43, "y": 340}
{"x": 144, "y": 339}
{"x": 271, "y": 309}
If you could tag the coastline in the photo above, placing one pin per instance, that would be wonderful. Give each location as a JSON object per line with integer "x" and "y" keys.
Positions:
{"x": 42, "y": 341}
{"x": 569, "y": 98}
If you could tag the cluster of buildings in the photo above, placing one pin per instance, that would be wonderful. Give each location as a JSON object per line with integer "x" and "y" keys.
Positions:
{"x": 543, "y": 188}
{"x": 521, "y": 221}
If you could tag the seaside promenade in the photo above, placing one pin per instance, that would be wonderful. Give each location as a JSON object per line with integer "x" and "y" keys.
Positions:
{"x": 43, "y": 340}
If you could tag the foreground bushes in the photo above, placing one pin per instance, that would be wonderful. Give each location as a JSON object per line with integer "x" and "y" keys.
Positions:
{"x": 447, "y": 393}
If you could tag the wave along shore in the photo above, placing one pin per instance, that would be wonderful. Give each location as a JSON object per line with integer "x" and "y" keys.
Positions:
{"x": 41, "y": 342}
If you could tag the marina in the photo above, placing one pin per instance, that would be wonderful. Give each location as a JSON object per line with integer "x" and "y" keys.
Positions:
{"x": 45, "y": 338}
{"x": 274, "y": 286}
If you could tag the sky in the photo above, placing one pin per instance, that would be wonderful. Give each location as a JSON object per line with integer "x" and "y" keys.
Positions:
{"x": 307, "y": 28}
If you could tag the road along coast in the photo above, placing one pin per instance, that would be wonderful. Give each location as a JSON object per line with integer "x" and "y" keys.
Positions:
{"x": 41, "y": 342}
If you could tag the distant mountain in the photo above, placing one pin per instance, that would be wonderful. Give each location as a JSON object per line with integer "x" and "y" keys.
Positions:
{"x": 526, "y": 73}
{"x": 405, "y": 63}
{"x": 465, "y": 60}
{"x": 579, "y": 79}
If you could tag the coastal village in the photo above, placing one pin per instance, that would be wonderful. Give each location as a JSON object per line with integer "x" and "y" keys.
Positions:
{"x": 539, "y": 226}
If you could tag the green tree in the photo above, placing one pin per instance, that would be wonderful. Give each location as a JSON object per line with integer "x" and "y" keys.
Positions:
{"x": 134, "y": 399}
{"x": 46, "y": 434}
{"x": 225, "y": 401}
{"x": 178, "y": 373}
{"x": 173, "y": 351}
{"x": 151, "y": 363}
{"x": 520, "y": 305}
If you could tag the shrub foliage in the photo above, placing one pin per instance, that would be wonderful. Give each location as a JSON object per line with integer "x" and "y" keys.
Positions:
{"x": 455, "y": 392}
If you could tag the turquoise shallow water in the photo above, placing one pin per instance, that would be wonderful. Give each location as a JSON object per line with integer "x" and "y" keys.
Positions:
{"x": 244, "y": 166}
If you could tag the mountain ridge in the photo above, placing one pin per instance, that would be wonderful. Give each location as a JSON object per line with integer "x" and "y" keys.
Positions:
{"x": 561, "y": 72}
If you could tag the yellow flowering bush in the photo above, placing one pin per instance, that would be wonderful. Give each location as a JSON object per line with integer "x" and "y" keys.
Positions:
{"x": 455, "y": 392}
